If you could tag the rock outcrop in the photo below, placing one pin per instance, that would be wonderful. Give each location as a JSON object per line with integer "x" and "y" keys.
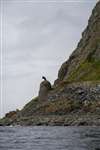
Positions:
{"x": 80, "y": 91}
{"x": 45, "y": 87}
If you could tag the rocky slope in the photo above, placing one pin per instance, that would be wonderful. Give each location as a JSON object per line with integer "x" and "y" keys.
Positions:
{"x": 84, "y": 63}
{"x": 74, "y": 99}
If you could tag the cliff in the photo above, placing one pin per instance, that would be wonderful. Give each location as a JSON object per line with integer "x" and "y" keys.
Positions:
{"x": 84, "y": 63}
{"x": 74, "y": 99}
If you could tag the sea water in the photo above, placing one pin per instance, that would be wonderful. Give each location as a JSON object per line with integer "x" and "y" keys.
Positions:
{"x": 49, "y": 138}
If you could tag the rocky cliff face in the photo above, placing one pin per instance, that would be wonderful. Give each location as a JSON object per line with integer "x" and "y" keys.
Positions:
{"x": 84, "y": 63}
{"x": 80, "y": 91}
{"x": 79, "y": 77}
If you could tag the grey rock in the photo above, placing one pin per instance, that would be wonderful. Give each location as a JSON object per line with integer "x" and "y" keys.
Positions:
{"x": 45, "y": 87}
{"x": 77, "y": 91}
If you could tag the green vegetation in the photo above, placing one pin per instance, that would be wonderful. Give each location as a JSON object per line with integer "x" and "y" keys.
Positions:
{"x": 87, "y": 71}
{"x": 30, "y": 107}
{"x": 58, "y": 107}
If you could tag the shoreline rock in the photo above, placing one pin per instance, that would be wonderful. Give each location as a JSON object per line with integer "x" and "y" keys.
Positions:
{"x": 88, "y": 119}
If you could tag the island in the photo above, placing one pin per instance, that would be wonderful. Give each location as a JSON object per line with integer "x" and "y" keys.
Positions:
{"x": 74, "y": 98}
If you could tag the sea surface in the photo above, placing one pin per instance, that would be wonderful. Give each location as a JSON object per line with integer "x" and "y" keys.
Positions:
{"x": 49, "y": 138}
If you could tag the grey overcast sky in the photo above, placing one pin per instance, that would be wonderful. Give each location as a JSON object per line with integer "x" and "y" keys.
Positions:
{"x": 37, "y": 37}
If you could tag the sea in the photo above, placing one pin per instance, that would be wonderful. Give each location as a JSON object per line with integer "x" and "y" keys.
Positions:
{"x": 49, "y": 138}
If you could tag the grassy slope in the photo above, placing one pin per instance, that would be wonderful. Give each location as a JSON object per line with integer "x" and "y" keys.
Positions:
{"x": 58, "y": 107}
{"x": 30, "y": 107}
{"x": 87, "y": 71}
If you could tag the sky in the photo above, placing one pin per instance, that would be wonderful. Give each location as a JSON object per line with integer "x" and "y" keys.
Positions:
{"x": 36, "y": 38}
